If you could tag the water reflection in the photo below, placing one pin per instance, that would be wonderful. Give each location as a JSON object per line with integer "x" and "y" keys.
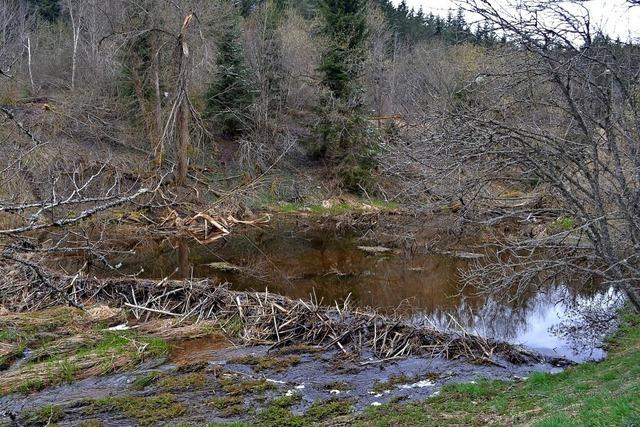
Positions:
{"x": 423, "y": 287}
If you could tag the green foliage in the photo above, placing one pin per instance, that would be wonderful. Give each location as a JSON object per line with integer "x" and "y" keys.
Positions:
{"x": 344, "y": 137}
{"x": 346, "y": 28}
{"x": 230, "y": 95}
{"x": 343, "y": 134}
{"x": 49, "y": 10}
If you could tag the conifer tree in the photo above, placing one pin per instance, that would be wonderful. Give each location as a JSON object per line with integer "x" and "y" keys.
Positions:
{"x": 230, "y": 95}
{"x": 47, "y": 9}
{"x": 346, "y": 27}
{"x": 342, "y": 134}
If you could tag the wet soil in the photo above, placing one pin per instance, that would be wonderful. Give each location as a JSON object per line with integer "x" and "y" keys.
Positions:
{"x": 315, "y": 377}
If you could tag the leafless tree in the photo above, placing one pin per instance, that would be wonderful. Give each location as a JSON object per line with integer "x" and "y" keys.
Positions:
{"x": 563, "y": 114}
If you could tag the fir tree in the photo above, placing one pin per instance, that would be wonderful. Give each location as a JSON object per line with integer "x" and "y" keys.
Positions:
{"x": 342, "y": 134}
{"x": 230, "y": 95}
{"x": 346, "y": 27}
{"x": 47, "y": 9}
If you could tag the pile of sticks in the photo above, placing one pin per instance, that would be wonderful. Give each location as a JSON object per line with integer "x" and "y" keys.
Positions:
{"x": 204, "y": 226}
{"x": 257, "y": 317}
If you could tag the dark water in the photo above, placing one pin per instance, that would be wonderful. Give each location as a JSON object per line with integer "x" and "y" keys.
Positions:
{"x": 423, "y": 287}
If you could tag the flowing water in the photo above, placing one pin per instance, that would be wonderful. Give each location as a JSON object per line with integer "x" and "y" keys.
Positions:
{"x": 333, "y": 266}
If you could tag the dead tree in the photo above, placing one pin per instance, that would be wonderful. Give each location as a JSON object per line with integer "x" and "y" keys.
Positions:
{"x": 182, "y": 106}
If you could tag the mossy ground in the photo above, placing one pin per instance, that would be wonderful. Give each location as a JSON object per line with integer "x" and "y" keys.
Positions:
{"x": 66, "y": 344}
{"x": 275, "y": 364}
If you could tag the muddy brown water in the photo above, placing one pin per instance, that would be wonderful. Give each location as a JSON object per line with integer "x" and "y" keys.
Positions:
{"x": 302, "y": 261}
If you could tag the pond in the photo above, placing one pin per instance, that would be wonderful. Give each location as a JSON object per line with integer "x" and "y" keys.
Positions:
{"x": 304, "y": 262}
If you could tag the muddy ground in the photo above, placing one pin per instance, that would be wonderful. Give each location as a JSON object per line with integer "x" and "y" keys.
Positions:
{"x": 208, "y": 380}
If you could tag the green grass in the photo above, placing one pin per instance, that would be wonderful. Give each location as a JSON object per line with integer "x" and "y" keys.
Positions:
{"x": 144, "y": 381}
{"x": 59, "y": 364}
{"x": 45, "y": 415}
{"x": 146, "y": 410}
{"x": 605, "y": 393}
{"x": 563, "y": 224}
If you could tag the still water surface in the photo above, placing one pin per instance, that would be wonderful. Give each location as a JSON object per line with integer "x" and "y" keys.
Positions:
{"x": 422, "y": 287}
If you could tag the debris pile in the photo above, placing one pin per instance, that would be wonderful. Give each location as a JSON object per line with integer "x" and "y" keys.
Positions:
{"x": 257, "y": 317}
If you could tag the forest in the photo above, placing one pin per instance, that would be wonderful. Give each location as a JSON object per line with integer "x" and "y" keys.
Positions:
{"x": 318, "y": 212}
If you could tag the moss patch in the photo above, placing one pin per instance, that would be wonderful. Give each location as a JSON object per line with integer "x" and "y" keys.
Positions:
{"x": 233, "y": 386}
{"x": 275, "y": 364}
{"x": 192, "y": 381}
{"x": 46, "y": 415}
{"x": 338, "y": 385}
{"x": 228, "y": 406}
{"x": 328, "y": 409}
{"x": 145, "y": 410}
{"x": 146, "y": 380}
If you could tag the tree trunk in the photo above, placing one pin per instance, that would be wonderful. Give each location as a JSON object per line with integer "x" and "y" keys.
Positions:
{"x": 159, "y": 150}
{"x": 183, "y": 113}
{"x": 182, "y": 141}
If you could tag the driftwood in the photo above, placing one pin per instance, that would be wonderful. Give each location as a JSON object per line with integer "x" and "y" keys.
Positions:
{"x": 257, "y": 317}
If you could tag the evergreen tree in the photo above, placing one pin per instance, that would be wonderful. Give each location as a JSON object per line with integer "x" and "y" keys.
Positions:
{"x": 230, "y": 95}
{"x": 47, "y": 9}
{"x": 346, "y": 27}
{"x": 343, "y": 132}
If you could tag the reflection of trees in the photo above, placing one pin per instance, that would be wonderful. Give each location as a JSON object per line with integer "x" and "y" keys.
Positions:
{"x": 585, "y": 317}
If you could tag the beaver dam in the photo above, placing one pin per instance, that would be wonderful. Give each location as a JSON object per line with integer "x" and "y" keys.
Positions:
{"x": 420, "y": 286}
{"x": 307, "y": 319}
